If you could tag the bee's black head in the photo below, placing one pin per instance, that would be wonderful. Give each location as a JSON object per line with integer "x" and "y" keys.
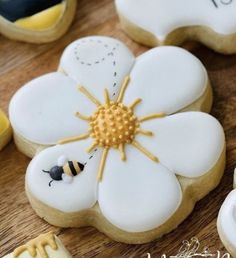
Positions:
{"x": 81, "y": 166}
{"x": 56, "y": 173}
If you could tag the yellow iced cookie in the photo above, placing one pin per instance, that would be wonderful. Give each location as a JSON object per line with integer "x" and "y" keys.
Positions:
{"x": 44, "y": 246}
{"x": 5, "y": 130}
{"x": 36, "y": 21}
{"x": 42, "y": 20}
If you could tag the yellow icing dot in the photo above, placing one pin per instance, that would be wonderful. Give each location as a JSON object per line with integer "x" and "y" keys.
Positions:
{"x": 42, "y": 20}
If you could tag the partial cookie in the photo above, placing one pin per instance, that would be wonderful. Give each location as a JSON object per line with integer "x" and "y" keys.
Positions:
{"x": 141, "y": 145}
{"x": 5, "y": 130}
{"x": 38, "y": 21}
{"x": 44, "y": 246}
{"x": 167, "y": 22}
{"x": 226, "y": 222}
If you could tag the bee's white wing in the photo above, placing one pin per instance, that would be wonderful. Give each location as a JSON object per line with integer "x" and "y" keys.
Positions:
{"x": 67, "y": 179}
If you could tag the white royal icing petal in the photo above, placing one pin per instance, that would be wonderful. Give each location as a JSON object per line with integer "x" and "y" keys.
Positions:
{"x": 98, "y": 63}
{"x": 188, "y": 143}
{"x": 43, "y": 111}
{"x": 227, "y": 219}
{"x": 167, "y": 79}
{"x": 131, "y": 192}
{"x": 81, "y": 193}
{"x": 161, "y": 17}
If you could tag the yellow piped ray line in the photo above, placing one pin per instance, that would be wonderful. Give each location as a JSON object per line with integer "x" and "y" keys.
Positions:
{"x": 102, "y": 164}
{"x": 122, "y": 151}
{"x": 74, "y": 139}
{"x": 123, "y": 89}
{"x": 85, "y": 118}
{"x": 145, "y": 151}
{"x": 150, "y": 117}
{"x": 92, "y": 147}
{"x": 90, "y": 96}
{"x": 106, "y": 97}
{"x": 144, "y": 132}
{"x": 135, "y": 103}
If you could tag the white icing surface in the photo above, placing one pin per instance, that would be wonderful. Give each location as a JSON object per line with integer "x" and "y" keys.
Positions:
{"x": 161, "y": 17}
{"x": 43, "y": 111}
{"x": 188, "y": 143}
{"x": 227, "y": 219}
{"x": 78, "y": 195}
{"x": 61, "y": 252}
{"x": 97, "y": 63}
{"x": 131, "y": 193}
{"x": 167, "y": 79}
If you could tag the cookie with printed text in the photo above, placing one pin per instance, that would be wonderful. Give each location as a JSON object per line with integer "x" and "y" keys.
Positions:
{"x": 170, "y": 22}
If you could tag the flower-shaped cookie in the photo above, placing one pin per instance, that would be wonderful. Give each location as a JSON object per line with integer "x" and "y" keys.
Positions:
{"x": 168, "y": 22}
{"x": 5, "y": 130}
{"x": 145, "y": 166}
{"x": 226, "y": 223}
{"x": 36, "y": 21}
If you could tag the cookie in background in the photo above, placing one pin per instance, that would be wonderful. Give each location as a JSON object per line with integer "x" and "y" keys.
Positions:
{"x": 226, "y": 223}
{"x": 44, "y": 246}
{"x": 5, "y": 130}
{"x": 38, "y": 21}
{"x": 168, "y": 22}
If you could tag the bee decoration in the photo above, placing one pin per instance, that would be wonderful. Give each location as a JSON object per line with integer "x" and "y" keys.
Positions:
{"x": 65, "y": 170}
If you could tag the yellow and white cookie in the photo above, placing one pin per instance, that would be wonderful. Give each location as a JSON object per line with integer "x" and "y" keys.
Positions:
{"x": 38, "y": 21}
{"x": 44, "y": 246}
{"x": 133, "y": 164}
{"x": 170, "y": 22}
{"x": 226, "y": 223}
{"x": 5, "y": 130}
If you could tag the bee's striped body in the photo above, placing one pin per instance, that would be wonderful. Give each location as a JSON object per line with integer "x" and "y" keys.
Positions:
{"x": 72, "y": 168}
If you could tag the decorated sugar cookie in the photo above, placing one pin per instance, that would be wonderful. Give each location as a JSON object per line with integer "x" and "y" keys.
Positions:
{"x": 44, "y": 246}
{"x": 115, "y": 149}
{"x": 5, "y": 130}
{"x": 36, "y": 21}
{"x": 226, "y": 223}
{"x": 169, "y": 22}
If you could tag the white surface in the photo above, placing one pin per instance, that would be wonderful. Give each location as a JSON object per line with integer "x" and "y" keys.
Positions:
{"x": 227, "y": 219}
{"x": 167, "y": 79}
{"x": 161, "y": 17}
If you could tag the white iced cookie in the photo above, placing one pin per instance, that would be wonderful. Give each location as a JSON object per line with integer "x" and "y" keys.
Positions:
{"x": 226, "y": 223}
{"x": 44, "y": 246}
{"x": 122, "y": 159}
{"x": 169, "y": 22}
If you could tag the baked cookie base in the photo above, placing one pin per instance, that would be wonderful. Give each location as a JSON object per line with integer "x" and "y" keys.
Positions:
{"x": 12, "y": 31}
{"x": 30, "y": 149}
{"x": 193, "y": 190}
{"x": 224, "y": 44}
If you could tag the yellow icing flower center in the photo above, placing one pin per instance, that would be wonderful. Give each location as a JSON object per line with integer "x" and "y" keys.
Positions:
{"x": 114, "y": 125}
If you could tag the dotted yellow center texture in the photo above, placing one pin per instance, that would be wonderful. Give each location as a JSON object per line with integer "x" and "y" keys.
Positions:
{"x": 113, "y": 124}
